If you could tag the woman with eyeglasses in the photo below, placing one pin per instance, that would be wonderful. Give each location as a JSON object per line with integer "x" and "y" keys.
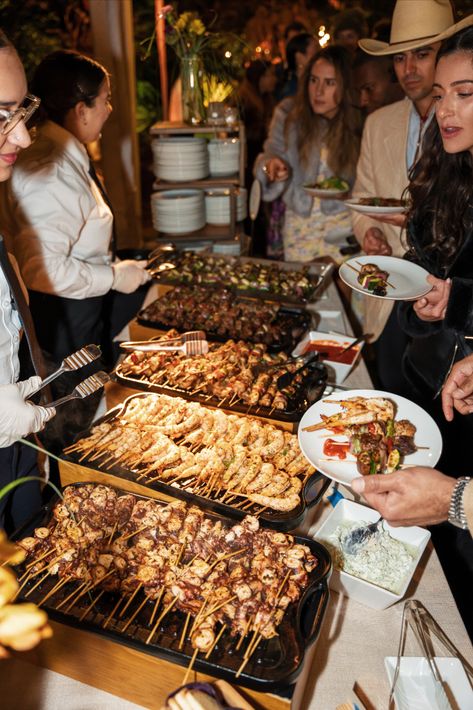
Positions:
{"x": 18, "y": 418}
{"x": 58, "y": 219}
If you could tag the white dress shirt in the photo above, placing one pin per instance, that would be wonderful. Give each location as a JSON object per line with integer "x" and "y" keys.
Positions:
{"x": 10, "y": 327}
{"x": 55, "y": 219}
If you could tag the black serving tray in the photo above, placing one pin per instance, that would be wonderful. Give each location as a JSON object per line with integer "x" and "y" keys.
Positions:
{"x": 311, "y": 493}
{"x": 297, "y": 322}
{"x": 274, "y": 665}
{"x": 316, "y": 272}
{"x": 311, "y": 390}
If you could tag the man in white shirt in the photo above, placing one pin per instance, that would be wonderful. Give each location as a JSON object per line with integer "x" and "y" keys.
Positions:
{"x": 391, "y": 142}
{"x": 17, "y": 416}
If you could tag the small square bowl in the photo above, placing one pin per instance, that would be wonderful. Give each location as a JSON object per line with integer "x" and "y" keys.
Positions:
{"x": 326, "y": 342}
{"x": 367, "y": 593}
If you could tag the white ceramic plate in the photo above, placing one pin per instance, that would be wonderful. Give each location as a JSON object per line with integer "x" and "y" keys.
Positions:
{"x": 255, "y": 199}
{"x": 375, "y": 209}
{"x": 408, "y": 281}
{"x": 415, "y": 688}
{"x": 324, "y": 194}
{"x": 312, "y": 442}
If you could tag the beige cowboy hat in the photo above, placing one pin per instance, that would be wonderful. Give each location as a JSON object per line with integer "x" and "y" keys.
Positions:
{"x": 415, "y": 24}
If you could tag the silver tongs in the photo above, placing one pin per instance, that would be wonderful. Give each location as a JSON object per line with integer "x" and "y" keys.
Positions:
{"x": 424, "y": 625}
{"x": 79, "y": 359}
{"x": 193, "y": 342}
{"x": 83, "y": 389}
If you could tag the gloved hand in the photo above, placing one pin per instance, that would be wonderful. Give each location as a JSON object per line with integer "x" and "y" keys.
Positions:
{"x": 17, "y": 417}
{"x": 128, "y": 275}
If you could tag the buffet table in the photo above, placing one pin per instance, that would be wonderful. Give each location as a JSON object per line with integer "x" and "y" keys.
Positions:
{"x": 350, "y": 649}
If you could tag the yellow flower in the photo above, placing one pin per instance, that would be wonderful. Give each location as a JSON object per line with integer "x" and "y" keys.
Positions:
{"x": 197, "y": 27}
{"x": 22, "y": 626}
{"x": 9, "y": 552}
{"x": 8, "y": 586}
{"x": 182, "y": 21}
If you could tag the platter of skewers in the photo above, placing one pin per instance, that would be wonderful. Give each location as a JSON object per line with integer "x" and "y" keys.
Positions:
{"x": 385, "y": 277}
{"x": 228, "y": 463}
{"x": 224, "y": 315}
{"x": 234, "y": 601}
{"x": 290, "y": 282}
{"x": 236, "y": 375}
{"x": 365, "y": 432}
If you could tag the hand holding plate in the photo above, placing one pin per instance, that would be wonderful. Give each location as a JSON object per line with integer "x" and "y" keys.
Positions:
{"x": 433, "y": 305}
{"x": 457, "y": 391}
{"x": 375, "y": 242}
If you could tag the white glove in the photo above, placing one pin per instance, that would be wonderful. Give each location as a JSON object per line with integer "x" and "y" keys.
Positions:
{"x": 17, "y": 417}
{"x": 128, "y": 275}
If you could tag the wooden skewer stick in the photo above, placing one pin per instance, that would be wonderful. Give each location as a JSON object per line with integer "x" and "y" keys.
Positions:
{"x": 112, "y": 613}
{"x": 55, "y": 589}
{"x": 220, "y": 558}
{"x": 219, "y": 606}
{"x": 135, "y": 613}
{"x": 283, "y": 584}
{"x": 127, "y": 537}
{"x": 248, "y": 654}
{"x": 156, "y": 605}
{"x": 245, "y": 631}
{"x": 113, "y": 533}
{"x": 91, "y": 605}
{"x": 361, "y": 265}
{"x": 30, "y": 591}
{"x": 87, "y": 589}
{"x": 189, "y": 668}
{"x": 160, "y": 618}
{"x": 132, "y": 596}
{"x": 50, "y": 564}
{"x": 183, "y": 635}
{"x": 64, "y": 601}
{"x": 217, "y": 639}
{"x": 249, "y": 648}
{"x": 38, "y": 559}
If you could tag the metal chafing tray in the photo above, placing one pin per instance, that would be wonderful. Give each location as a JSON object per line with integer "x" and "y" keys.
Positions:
{"x": 317, "y": 274}
{"x": 309, "y": 391}
{"x": 294, "y": 322}
{"x": 311, "y": 493}
{"x": 275, "y": 664}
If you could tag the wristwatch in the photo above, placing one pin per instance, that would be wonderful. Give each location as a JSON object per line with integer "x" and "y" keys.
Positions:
{"x": 456, "y": 511}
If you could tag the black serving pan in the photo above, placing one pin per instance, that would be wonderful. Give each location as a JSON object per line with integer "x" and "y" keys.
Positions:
{"x": 311, "y": 493}
{"x": 274, "y": 665}
{"x": 310, "y": 390}
{"x": 316, "y": 272}
{"x": 296, "y": 322}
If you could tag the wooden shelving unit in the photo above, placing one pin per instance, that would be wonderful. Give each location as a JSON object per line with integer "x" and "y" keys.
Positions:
{"x": 209, "y": 232}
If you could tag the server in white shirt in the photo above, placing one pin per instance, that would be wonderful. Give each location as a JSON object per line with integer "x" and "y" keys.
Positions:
{"x": 17, "y": 416}
{"x": 57, "y": 217}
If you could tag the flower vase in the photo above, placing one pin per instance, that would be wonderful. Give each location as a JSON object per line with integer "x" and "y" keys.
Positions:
{"x": 192, "y": 97}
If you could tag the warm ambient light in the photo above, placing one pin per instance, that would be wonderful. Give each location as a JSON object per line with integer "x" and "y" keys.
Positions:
{"x": 228, "y": 54}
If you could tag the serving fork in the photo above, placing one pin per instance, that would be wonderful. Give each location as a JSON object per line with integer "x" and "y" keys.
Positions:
{"x": 83, "y": 389}
{"x": 79, "y": 359}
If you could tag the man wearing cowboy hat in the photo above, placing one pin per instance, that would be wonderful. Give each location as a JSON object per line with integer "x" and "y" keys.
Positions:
{"x": 391, "y": 143}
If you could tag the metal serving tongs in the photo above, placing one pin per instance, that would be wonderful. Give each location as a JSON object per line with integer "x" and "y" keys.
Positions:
{"x": 83, "y": 389}
{"x": 195, "y": 341}
{"x": 79, "y": 359}
{"x": 416, "y": 615}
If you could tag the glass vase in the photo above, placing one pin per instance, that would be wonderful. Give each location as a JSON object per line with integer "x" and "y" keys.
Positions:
{"x": 192, "y": 97}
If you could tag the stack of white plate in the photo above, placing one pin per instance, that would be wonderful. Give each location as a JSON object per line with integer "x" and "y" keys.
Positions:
{"x": 180, "y": 159}
{"x": 217, "y": 205}
{"x": 227, "y": 248}
{"x": 224, "y": 156}
{"x": 178, "y": 211}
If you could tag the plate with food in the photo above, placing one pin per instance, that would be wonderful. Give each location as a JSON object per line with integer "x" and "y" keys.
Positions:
{"x": 328, "y": 188}
{"x": 362, "y": 432}
{"x": 385, "y": 277}
{"x": 377, "y": 205}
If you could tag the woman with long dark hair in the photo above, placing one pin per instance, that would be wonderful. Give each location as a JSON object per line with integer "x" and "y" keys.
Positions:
{"x": 440, "y": 225}
{"x": 312, "y": 137}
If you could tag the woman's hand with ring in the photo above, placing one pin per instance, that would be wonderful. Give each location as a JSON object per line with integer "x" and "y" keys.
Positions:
{"x": 276, "y": 169}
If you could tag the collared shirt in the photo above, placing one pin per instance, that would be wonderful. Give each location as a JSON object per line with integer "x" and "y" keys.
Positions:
{"x": 10, "y": 327}
{"x": 415, "y": 135}
{"x": 55, "y": 219}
